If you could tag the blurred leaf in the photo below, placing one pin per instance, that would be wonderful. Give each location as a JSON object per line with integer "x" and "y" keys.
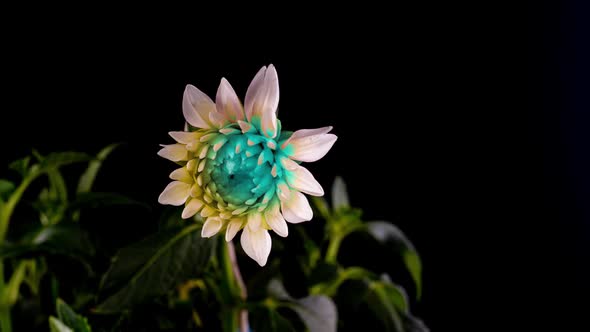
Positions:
{"x": 384, "y": 300}
{"x": 21, "y": 166}
{"x": 154, "y": 266}
{"x": 63, "y": 239}
{"x": 100, "y": 200}
{"x": 318, "y": 312}
{"x": 322, "y": 206}
{"x": 59, "y": 159}
{"x": 269, "y": 320}
{"x": 76, "y": 322}
{"x": 392, "y": 237}
{"x": 324, "y": 272}
{"x": 339, "y": 194}
{"x": 87, "y": 179}
{"x": 58, "y": 185}
{"x": 277, "y": 290}
{"x": 6, "y": 188}
{"x": 36, "y": 271}
{"x": 413, "y": 324}
{"x": 55, "y": 325}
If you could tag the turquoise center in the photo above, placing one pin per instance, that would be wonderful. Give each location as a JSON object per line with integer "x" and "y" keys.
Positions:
{"x": 238, "y": 177}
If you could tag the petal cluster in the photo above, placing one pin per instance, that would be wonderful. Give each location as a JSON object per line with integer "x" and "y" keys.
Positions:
{"x": 238, "y": 169}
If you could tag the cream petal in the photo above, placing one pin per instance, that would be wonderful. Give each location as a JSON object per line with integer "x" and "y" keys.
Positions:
{"x": 309, "y": 144}
{"x": 296, "y": 209}
{"x": 300, "y": 178}
{"x": 211, "y": 227}
{"x": 254, "y": 221}
{"x": 245, "y": 126}
{"x": 252, "y": 92}
{"x": 196, "y": 107}
{"x": 227, "y": 102}
{"x": 174, "y": 152}
{"x": 233, "y": 227}
{"x": 207, "y": 211}
{"x": 175, "y": 193}
{"x": 275, "y": 220}
{"x": 182, "y": 174}
{"x": 191, "y": 208}
{"x": 267, "y": 101}
{"x": 184, "y": 137}
{"x": 256, "y": 244}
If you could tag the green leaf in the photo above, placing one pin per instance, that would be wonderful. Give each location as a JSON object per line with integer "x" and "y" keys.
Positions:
{"x": 387, "y": 302}
{"x": 21, "y": 166}
{"x": 154, "y": 266}
{"x": 6, "y": 188}
{"x": 269, "y": 320}
{"x": 58, "y": 185}
{"x": 59, "y": 159}
{"x": 76, "y": 322}
{"x": 68, "y": 240}
{"x": 100, "y": 200}
{"x": 413, "y": 324}
{"x": 322, "y": 206}
{"x": 318, "y": 313}
{"x": 392, "y": 237}
{"x": 56, "y": 325}
{"x": 339, "y": 194}
{"x": 87, "y": 179}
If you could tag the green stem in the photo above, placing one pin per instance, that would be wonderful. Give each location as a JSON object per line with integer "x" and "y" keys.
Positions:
{"x": 333, "y": 247}
{"x": 8, "y": 208}
{"x": 5, "y": 321}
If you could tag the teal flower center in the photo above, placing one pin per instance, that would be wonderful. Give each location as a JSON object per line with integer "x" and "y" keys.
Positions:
{"x": 241, "y": 170}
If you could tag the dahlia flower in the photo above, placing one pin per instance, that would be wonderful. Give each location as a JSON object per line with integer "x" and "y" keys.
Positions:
{"x": 239, "y": 169}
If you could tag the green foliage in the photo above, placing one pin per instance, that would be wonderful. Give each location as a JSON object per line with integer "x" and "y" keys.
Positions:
{"x": 87, "y": 179}
{"x": 176, "y": 280}
{"x": 6, "y": 188}
{"x": 68, "y": 320}
{"x": 396, "y": 242}
{"x": 153, "y": 266}
{"x": 317, "y": 312}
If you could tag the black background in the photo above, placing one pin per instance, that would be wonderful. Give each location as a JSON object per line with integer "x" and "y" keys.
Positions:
{"x": 464, "y": 125}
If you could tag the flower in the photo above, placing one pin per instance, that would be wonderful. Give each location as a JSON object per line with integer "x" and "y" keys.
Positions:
{"x": 239, "y": 169}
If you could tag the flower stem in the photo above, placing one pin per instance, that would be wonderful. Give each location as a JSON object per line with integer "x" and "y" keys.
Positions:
{"x": 243, "y": 314}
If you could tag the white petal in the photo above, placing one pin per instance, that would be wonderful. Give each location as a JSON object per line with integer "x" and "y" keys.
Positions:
{"x": 267, "y": 101}
{"x": 227, "y": 102}
{"x": 196, "y": 107}
{"x": 253, "y": 90}
{"x": 296, "y": 209}
{"x": 256, "y": 244}
{"x": 193, "y": 206}
{"x": 175, "y": 193}
{"x": 233, "y": 228}
{"x": 298, "y": 177}
{"x": 254, "y": 221}
{"x": 275, "y": 220}
{"x": 184, "y": 137}
{"x": 309, "y": 144}
{"x": 174, "y": 152}
{"x": 211, "y": 227}
{"x": 182, "y": 174}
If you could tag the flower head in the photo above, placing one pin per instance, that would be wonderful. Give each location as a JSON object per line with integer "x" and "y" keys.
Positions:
{"x": 239, "y": 170}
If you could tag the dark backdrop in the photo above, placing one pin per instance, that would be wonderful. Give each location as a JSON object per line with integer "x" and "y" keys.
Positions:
{"x": 465, "y": 126}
